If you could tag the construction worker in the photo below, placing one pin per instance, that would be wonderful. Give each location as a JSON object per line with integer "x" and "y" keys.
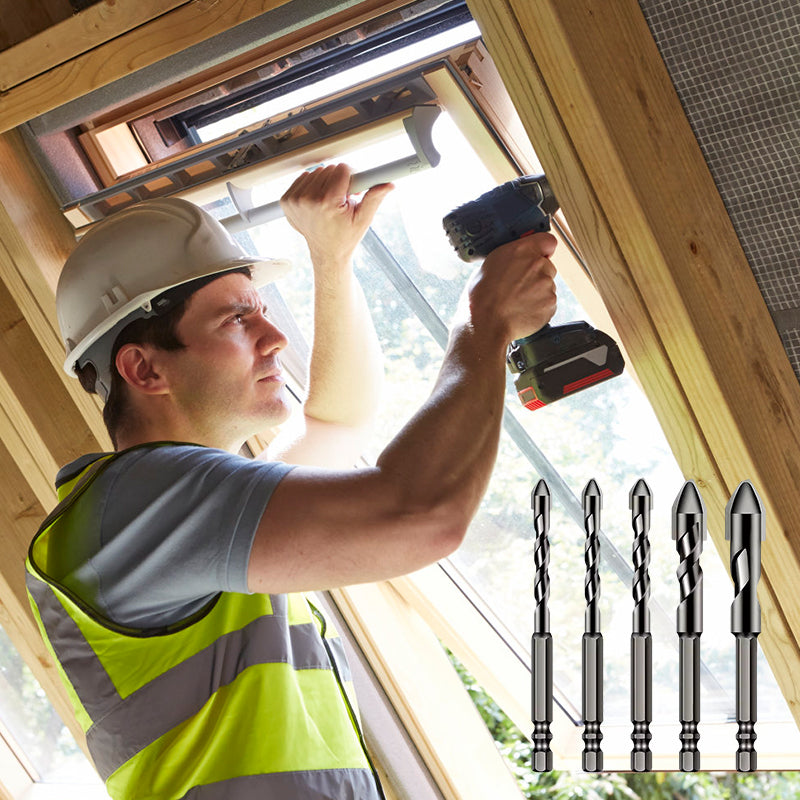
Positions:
{"x": 169, "y": 580}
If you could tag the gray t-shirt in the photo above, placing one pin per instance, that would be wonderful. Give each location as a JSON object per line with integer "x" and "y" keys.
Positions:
{"x": 165, "y": 529}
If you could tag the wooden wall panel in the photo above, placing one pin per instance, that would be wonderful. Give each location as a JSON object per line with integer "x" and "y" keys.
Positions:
{"x": 597, "y": 102}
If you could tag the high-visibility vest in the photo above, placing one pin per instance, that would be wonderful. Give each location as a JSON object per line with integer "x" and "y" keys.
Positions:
{"x": 250, "y": 698}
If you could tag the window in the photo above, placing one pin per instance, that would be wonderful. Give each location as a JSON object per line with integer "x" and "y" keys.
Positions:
{"x": 609, "y": 433}
{"x": 43, "y": 758}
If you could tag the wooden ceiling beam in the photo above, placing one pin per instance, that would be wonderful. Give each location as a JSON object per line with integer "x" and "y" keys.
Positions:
{"x": 75, "y": 35}
{"x": 183, "y": 26}
{"x": 596, "y": 99}
{"x": 46, "y": 419}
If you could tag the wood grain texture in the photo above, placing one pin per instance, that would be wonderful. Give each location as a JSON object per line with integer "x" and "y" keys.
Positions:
{"x": 75, "y": 34}
{"x": 35, "y": 240}
{"x": 46, "y": 419}
{"x": 20, "y": 21}
{"x": 167, "y": 34}
{"x": 595, "y": 97}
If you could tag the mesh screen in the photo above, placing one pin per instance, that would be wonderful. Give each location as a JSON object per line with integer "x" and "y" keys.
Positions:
{"x": 735, "y": 65}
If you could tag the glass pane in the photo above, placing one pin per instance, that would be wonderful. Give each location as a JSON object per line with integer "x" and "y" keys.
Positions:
{"x": 608, "y": 433}
{"x": 36, "y": 726}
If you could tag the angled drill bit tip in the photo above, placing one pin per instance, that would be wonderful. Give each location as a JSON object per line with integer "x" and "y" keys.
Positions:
{"x": 745, "y": 501}
{"x": 540, "y": 491}
{"x": 640, "y": 500}
{"x": 640, "y": 489}
{"x": 688, "y": 503}
{"x": 592, "y": 492}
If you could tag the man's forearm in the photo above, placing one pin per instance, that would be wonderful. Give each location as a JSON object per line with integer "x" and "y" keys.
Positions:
{"x": 445, "y": 454}
{"x": 346, "y": 370}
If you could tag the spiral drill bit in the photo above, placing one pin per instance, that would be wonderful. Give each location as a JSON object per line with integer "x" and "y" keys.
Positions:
{"x": 744, "y": 526}
{"x": 592, "y": 644}
{"x": 689, "y": 531}
{"x": 541, "y": 641}
{"x": 641, "y": 502}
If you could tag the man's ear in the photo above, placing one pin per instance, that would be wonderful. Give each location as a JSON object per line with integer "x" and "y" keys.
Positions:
{"x": 139, "y": 368}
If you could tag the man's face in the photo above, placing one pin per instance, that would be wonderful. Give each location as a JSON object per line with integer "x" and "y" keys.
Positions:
{"x": 227, "y": 379}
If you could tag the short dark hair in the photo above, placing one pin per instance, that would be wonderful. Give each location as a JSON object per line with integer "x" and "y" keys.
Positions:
{"x": 159, "y": 330}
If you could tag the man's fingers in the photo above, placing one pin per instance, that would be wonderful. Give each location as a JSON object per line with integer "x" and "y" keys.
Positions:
{"x": 372, "y": 198}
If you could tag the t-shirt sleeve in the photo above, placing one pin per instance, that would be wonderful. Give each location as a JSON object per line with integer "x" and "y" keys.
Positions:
{"x": 176, "y": 525}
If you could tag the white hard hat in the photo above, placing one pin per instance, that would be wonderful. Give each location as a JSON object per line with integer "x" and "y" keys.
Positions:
{"x": 132, "y": 257}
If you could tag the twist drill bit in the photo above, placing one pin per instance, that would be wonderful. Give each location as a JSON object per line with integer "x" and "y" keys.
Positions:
{"x": 541, "y": 641}
{"x": 689, "y": 531}
{"x": 744, "y": 526}
{"x": 592, "y": 644}
{"x": 641, "y": 502}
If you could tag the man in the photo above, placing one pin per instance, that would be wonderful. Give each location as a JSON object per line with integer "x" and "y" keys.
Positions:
{"x": 169, "y": 580}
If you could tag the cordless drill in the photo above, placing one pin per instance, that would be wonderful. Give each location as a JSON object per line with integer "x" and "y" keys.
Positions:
{"x": 558, "y": 359}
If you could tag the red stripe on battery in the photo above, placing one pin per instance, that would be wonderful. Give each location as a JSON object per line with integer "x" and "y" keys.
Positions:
{"x": 588, "y": 381}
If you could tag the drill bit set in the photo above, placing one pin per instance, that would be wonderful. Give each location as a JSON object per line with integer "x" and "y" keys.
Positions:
{"x": 745, "y": 529}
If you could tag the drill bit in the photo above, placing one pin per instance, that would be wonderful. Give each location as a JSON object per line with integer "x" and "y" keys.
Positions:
{"x": 592, "y": 644}
{"x": 744, "y": 526}
{"x": 541, "y": 641}
{"x": 689, "y": 531}
{"x": 640, "y": 503}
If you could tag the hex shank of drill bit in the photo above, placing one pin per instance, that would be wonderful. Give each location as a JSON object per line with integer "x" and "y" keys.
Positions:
{"x": 592, "y": 642}
{"x": 541, "y": 641}
{"x": 640, "y": 502}
{"x": 689, "y": 531}
{"x": 745, "y": 528}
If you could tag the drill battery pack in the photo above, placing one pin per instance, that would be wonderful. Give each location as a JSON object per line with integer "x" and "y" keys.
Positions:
{"x": 559, "y": 360}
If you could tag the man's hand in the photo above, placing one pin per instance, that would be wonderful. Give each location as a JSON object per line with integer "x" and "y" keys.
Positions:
{"x": 319, "y": 206}
{"x": 346, "y": 371}
{"x": 513, "y": 294}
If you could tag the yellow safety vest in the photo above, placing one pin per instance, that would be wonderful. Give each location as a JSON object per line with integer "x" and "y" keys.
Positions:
{"x": 251, "y": 698}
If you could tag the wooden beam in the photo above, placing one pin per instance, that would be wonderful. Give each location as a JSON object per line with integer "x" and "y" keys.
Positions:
{"x": 76, "y": 34}
{"x": 35, "y": 240}
{"x": 22, "y": 21}
{"x": 46, "y": 419}
{"x": 598, "y": 104}
{"x": 167, "y": 34}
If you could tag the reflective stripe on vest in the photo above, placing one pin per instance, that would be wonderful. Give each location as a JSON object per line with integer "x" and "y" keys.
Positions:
{"x": 247, "y": 700}
{"x": 332, "y": 785}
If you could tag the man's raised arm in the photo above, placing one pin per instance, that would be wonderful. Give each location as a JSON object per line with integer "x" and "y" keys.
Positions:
{"x": 345, "y": 372}
{"x": 325, "y": 528}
